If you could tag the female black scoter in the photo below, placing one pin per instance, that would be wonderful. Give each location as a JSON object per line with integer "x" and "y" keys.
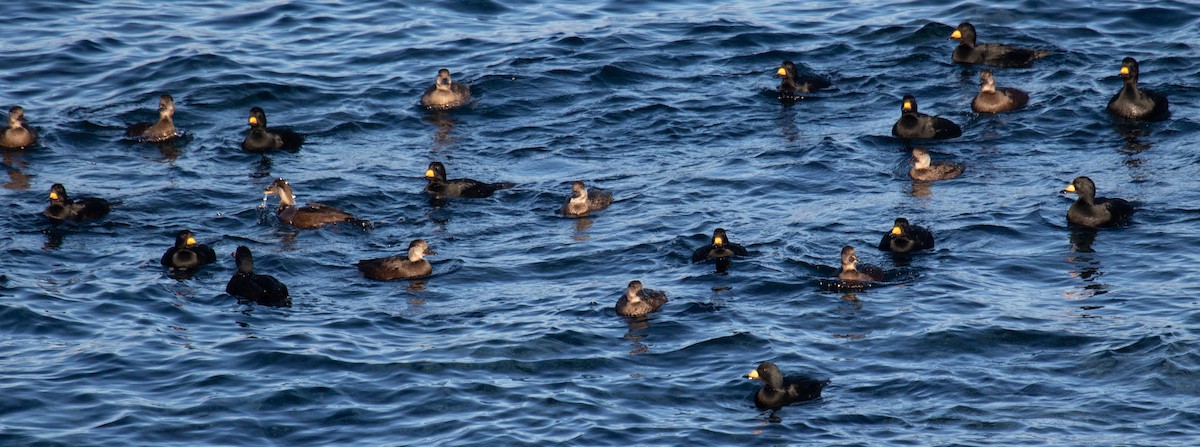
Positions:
{"x": 994, "y": 54}
{"x": 18, "y": 134}
{"x": 249, "y": 286}
{"x": 311, "y": 215}
{"x": 905, "y": 238}
{"x": 584, "y": 200}
{"x": 445, "y": 94}
{"x": 1094, "y": 212}
{"x": 187, "y": 254}
{"x": 162, "y": 130}
{"x": 265, "y": 139}
{"x": 411, "y": 265}
{"x": 1136, "y": 103}
{"x": 778, "y": 392}
{"x": 992, "y": 99}
{"x": 924, "y": 169}
{"x": 439, "y": 186}
{"x": 851, "y": 271}
{"x": 63, "y": 207}
{"x": 914, "y": 124}
{"x": 637, "y": 301}
{"x": 794, "y": 86}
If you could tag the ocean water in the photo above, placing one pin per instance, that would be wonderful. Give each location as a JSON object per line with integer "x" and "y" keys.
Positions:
{"x": 1015, "y": 330}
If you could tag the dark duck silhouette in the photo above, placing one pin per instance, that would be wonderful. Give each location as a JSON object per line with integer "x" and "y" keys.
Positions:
{"x": 992, "y": 99}
{"x": 439, "y": 186}
{"x": 584, "y": 200}
{"x": 63, "y": 208}
{"x": 905, "y": 237}
{"x": 18, "y": 134}
{"x": 1094, "y": 212}
{"x": 778, "y": 392}
{"x": 994, "y": 54}
{"x": 445, "y": 94}
{"x": 162, "y": 130}
{"x": 187, "y": 254}
{"x": 924, "y": 169}
{"x": 411, "y": 265}
{"x": 311, "y": 215}
{"x": 265, "y": 139}
{"x": 638, "y": 301}
{"x": 916, "y": 125}
{"x": 721, "y": 250}
{"x": 794, "y": 86}
{"x": 249, "y": 286}
{"x": 1136, "y": 103}
{"x": 851, "y": 271}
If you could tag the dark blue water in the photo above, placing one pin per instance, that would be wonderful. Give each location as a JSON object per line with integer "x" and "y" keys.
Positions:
{"x": 1015, "y": 331}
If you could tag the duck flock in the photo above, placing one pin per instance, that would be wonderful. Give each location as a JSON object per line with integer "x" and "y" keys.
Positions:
{"x": 1130, "y": 103}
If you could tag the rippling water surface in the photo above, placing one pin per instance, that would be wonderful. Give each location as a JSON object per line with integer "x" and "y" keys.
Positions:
{"x": 1016, "y": 330}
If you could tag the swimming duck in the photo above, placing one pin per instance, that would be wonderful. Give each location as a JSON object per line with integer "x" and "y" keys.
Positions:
{"x": 778, "y": 392}
{"x": 852, "y": 272}
{"x": 914, "y": 124}
{"x": 994, "y": 54}
{"x": 64, "y": 208}
{"x": 445, "y": 94}
{"x": 584, "y": 200}
{"x": 994, "y": 100}
{"x": 926, "y": 170}
{"x": 460, "y": 187}
{"x": 1091, "y": 211}
{"x": 399, "y": 267}
{"x": 720, "y": 248}
{"x": 311, "y": 215}
{"x": 905, "y": 238}
{"x": 637, "y": 301}
{"x": 187, "y": 254}
{"x": 249, "y": 286}
{"x": 1132, "y": 102}
{"x": 794, "y": 86}
{"x": 265, "y": 139}
{"x": 164, "y": 129}
{"x": 18, "y": 134}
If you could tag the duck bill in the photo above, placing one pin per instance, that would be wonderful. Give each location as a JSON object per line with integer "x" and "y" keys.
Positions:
{"x": 1124, "y": 71}
{"x": 752, "y": 375}
{"x": 1070, "y": 188}
{"x": 190, "y": 241}
{"x": 956, "y": 34}
{"x": 781, "y": 72}
{"x": 896, "y": 231}
{"x": 429, "y": 173}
